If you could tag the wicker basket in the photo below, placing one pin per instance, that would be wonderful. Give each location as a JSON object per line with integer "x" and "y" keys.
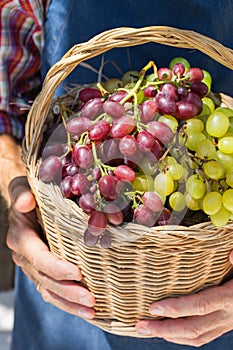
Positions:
{"x": 143, "y": 264}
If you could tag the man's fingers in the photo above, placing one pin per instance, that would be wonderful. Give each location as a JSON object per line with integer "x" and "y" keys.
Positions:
{"x": 36, "y": 252}
{"x": 201, "y": 303}
{"x": 20, "y": 195}
{"x": 72, "y": 308}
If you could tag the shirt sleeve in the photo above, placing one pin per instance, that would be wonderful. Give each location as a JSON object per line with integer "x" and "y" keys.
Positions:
{"x": 21, "y": 42}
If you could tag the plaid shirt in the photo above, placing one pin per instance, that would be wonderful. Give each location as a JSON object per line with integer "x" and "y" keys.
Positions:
{"x": 21, "y": 40}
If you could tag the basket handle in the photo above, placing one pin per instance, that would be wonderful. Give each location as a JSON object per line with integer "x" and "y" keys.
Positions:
{"x": 114, "y": 38}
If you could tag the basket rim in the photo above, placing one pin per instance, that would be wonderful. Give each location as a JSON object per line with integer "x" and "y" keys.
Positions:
{"x": 105, "y": 41}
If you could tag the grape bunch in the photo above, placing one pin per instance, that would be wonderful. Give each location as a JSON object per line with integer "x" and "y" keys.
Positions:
{"x": 146, "y": 148}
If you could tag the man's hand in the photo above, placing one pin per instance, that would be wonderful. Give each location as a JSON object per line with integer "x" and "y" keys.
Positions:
{"x": 57, "y": 280}
{"x": 194, "y": 319}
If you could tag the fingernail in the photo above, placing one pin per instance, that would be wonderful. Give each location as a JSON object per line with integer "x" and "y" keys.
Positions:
{"x": 144, "y": 330}
{"x": 86, "y": 300}
{"x": 84, "y": 313}
{"x": 157, "y": 311}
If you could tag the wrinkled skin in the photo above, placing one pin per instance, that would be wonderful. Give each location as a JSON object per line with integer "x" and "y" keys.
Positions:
{"x": 191, "y": 320}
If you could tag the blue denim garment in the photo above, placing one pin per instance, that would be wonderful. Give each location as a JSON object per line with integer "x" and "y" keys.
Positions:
{"x": 75, "y": 21}
{"x": 39, "y": 325}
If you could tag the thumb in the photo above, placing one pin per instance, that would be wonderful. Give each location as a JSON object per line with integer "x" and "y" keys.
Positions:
{"x": 231, "y": 257}
{"x": 20, "y": 195}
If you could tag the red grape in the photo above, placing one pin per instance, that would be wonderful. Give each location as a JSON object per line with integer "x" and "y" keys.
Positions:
{"x": 152, "y": 201}
{"x": 50, "y": 169}
{"x": 128, "y": 145}
{"x": 164, "y": 73}
{"x": 144, "y": 216}
{"x": 148, "y": 111}
{"x": 65, "y": 187}
{"x": 195, "y": 74}
{"x": 99, "y": 130}
{"x": 87, "y": 202}
{"x": 145, "y": 141}
{"x": 82, "y": 156}
{"x": 89, "y": 239}
{"x": 97, "y": 223}
{"x": 88, "y": 93}
{"x": 108, "y": 187}
{"x": 114, "y": 214}
{"x": 113, "y": 108}
{"x": 92, "y": 108}
{"x": 125, "y": 173}
{"x": 160, "y": 131}
{"x": 121, "y": 127}
{"x": 78, "y": 125}
{"x": 79, "y": 184}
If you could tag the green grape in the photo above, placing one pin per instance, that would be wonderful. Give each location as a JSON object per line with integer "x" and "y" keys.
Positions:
{"x": 151, "y": 77}
{"x": 140, "y": 96}
{"x": 229, "y": 178}
{"x": 214, "y": 169}
{"x": 195, "y": 187}
{"x": 176, "y": 171}
{"x": 230, "y": 129}
{"x": 188, "y": 163}
{"x": 193, "y": 140}
{"x": 185, "y": 175}
{"x": 191, "y": 203}
{"x": 225, "y": 144}
{"x": 225, "y": 159}
{"x": 205, "y": 149}
{"x": 170, "y": 121}
{"x": 112, "y": 84}
{"x": 207, "y": 78}
{"x": 143, "y": 183}
{"x": 194, "y": 125}
{"x": 221, "y": 218}
{"x": 170, "y": 160}
{"x": 227, "y": 199}
{"x": 148, "y": 168}
{"x": 226, "y": 110}
{"x": 179, "y": 60}
{"x": 217, "y": 124}
{"x": 212, "y": 203}
{"x": 209, "y": 103}
{"x": 177, "y": 201}
{"x": 130, "y": 77}
{"x": 164, "y": 184}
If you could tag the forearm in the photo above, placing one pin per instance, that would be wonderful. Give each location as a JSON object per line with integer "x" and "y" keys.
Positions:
{"x": 11, "y": 164}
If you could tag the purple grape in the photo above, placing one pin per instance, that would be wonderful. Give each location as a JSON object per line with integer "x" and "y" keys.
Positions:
{"x": 99, "y": 130}
{"x": 160, "y": 131}
{"x": 82, "y": 156}
{"x": 113, "y": 108}
{"x": 78, "y": 125}
{"x": 108, "y": 187}
{"x": 87, "y": 203}
{"x": 148, "y": 111}
{"x": 105, "y": 241}
{"x": 54, "y": 148}
{"x": 92, "y": 108}
{"x": 144, "y": 216}
{"x": 79, "y": 184}
{"x": 166, "y": 105}
{"x": 128, "y": 145}
{"x": 89, "y": 93}
{"x": 145, "y": 141}
{"x": 65, "y": 187}
{"x": 50, "y": 169}
{"x": 199, "y": 88}
{"x": 89, "y": 239}
{"x": 97, "y": 223}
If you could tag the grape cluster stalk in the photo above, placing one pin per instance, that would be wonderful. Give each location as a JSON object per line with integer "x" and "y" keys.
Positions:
{"x": 148, "y": 148}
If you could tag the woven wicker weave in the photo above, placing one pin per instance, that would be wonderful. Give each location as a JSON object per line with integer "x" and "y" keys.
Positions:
{"x": 143, "y": 264}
